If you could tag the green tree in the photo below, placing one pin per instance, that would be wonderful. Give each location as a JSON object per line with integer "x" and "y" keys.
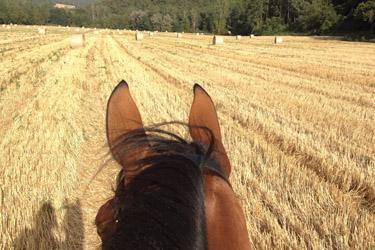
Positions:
{"x": 157, "y": 21}
{"x": 4, "y": 16}
{"x": 366, "y": 12}
{"x": 37, "y": 16}
{"x": 167, "y": 22}
{"x": 161, "y": 22}
{"x": 221, "y": 12}
{"x": 317, "y": 17}
{"x": 256, "y": 14}
{"x": 45, "y": 11}
{"x": 138, "y": 20}
{"x": 17, "y": 15}
{"x": 61, "y": 17}
{"x": 185, "y": 22}
{"x": 194, "y": 18}
{"x": 217, "y": 16}
{"x": 345, "y": 7}
{"x": 242, "y": 18}
{"x": 272, "y": 26}
{"x": 81, "y": 17}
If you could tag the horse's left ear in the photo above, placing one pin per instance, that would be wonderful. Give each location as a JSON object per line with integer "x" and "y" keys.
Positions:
{"x": 203, "y": 114}
{"x": 122, "y": 116}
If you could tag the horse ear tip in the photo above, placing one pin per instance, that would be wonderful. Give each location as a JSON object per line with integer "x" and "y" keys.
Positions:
{"x": 198, "y": 87}
{"x": 123, "y": 83}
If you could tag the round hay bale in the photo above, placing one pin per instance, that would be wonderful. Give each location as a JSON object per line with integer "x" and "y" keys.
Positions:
{"x": 3, "y": 25}
{"x": 179, "y": 35}
{"x": 9, "y": 27}
{"x": 77, "y": 30}
{"x": 238, "y": 37}
{"x": 138, "y": 36}
{"x": 42, "y": 31}
{"x": 252, "y": 36}
{"x": 96, "y": 32}
{"x": 278, "y": 39}
{"x": 218, "y": 40}
{"x": 120, "y": 33}
{"x": 197, "y": 34}
{"x": 150, "y": 33}
{"x": 77, "y": 41}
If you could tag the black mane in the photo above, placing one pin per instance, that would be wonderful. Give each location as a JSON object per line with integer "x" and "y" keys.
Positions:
{"x": 162, "y": 207}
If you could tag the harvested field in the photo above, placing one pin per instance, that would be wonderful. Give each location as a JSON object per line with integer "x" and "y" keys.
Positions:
{"x": 298, "y": 122}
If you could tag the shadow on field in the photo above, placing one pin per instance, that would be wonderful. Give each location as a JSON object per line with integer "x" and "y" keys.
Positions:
{"x": 329, "y": 38}
{"x": 42, "y": 234}
{"x": 360, "y": 37}
{"x": 73, "y": 226}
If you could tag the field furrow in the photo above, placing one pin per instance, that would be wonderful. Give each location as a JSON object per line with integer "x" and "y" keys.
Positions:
{"x": 255, "y": 71}
{"x": 286, "y": 57}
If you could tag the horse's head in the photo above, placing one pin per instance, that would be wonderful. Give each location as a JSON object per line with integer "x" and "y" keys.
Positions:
{"x": 124, "y": 124}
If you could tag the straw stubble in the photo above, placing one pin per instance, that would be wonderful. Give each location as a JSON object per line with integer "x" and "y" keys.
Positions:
{"x": 297, "y": 121}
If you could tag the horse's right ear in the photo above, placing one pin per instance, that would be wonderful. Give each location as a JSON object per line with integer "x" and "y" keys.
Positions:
{"x": 203, "y": 114}
{"x": 122, "y": 116}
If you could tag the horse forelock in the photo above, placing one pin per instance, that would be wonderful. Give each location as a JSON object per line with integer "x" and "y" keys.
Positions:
{"x": 162, "y": 207}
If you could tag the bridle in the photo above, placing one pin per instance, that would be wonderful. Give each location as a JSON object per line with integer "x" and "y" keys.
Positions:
{"x": 210, "y": 167}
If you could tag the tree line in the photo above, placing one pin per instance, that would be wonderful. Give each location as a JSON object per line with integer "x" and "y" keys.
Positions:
{"x": 259, "y": 17}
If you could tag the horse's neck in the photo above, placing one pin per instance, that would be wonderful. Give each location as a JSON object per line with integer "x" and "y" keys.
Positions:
{"x": 226, "y": 225}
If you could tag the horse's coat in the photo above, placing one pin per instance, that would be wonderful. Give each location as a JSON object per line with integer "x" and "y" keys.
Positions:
{"x": 224, "y": 223}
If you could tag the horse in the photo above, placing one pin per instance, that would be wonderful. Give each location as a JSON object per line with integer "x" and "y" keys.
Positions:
{"x": 170, "y": 193}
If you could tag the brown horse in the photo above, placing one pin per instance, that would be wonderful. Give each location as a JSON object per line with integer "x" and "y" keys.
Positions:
{"x": 170, "y": 194}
